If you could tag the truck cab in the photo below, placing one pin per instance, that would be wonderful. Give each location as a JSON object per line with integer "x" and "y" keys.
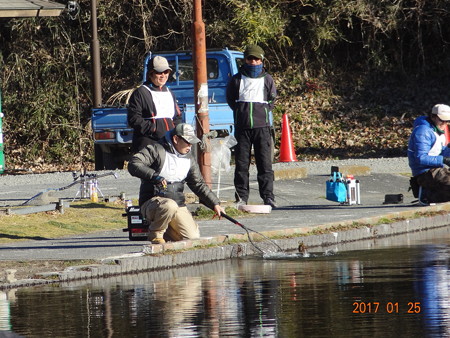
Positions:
{"x": 113, "y": 136}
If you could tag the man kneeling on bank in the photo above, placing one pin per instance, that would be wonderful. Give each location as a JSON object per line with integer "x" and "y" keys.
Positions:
{"x": 164, "y": 168}
{"x": 428, "y": 152}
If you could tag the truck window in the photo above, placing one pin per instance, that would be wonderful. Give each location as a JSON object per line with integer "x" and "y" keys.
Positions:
{"x": 239, "y": 62}
{"x": 212, "y": 69}
{"x": 186, "y": 69}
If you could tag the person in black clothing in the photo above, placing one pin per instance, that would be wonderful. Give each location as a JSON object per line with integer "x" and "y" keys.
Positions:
{"x": 152, "y": 108}
{"x": 251, "y": 94}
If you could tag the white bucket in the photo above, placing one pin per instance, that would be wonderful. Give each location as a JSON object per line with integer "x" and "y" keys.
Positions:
{"x": 256, "y": 209}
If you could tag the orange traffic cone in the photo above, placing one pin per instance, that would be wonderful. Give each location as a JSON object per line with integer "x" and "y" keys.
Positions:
{"x": 287, "y": 152}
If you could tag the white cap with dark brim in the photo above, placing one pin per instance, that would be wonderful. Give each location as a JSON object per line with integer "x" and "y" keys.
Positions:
{"x": 442, "y": 111}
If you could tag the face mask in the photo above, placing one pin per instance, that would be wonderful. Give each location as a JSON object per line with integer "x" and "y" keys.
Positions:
{"x": 253, "y": 71}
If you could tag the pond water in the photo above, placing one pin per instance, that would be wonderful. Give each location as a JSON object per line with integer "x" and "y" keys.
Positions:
{"x": 392, "y": 287}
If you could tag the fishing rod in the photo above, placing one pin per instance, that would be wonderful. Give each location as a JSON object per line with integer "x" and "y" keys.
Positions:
{"x": 264, "y": 242}
{"x": 81, "y": 179}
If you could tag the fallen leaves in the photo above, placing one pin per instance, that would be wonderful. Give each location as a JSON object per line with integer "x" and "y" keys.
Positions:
{"x": 335, "y": 120}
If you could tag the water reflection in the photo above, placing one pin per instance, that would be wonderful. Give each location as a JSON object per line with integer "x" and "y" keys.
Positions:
{"x": 433, "y": 286}
{"x": 398, "y": 290}
{"x": 5, "y": 297}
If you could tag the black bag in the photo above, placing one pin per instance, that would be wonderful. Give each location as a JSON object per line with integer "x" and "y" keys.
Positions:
{"x": 173, "y": 190}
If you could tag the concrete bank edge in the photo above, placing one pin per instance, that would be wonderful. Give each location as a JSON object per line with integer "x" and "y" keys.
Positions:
{"x": 191, "y": 252}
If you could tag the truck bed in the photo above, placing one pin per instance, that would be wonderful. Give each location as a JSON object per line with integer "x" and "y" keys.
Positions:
{"x": 220, "y": 117}
{"x": 111, "y": 119}
{"x": 115, "y": 119}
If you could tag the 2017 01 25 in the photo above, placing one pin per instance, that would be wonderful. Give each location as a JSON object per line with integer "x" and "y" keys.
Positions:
{"x": 389, "y": 307}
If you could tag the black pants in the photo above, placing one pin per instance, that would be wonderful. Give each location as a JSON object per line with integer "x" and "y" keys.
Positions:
{"x": 260, "y": 138}
{"x": 436, "y": 182}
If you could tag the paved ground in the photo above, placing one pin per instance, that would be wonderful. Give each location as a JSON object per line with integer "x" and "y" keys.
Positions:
{"x": 301, "y": 203}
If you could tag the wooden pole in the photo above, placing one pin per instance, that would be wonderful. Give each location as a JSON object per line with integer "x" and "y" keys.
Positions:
{"x": 95, "y": 55}
{"x": 201, "y": 90}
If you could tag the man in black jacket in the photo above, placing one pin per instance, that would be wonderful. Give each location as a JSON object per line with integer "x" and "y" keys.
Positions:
{"x": 164, "y": 168}
{"x": 152, "y": 108}
{"x": 251, "y": 94}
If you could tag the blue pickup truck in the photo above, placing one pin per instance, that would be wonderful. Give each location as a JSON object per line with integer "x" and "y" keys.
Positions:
{"x": 112, "y": 135}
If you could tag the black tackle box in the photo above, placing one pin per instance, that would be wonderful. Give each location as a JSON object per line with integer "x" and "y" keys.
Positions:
{"x": 137, "y": 225}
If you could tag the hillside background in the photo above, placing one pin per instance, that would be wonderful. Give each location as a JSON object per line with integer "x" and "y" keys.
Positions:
{"x": 351, "y": 74}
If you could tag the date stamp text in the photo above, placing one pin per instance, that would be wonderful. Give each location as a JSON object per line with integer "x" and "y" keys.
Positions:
{"x": 389, "y": 307}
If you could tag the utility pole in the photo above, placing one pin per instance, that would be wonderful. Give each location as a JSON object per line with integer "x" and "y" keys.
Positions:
{"x": 95, "y": 57}
{"x": 201, "y": 91}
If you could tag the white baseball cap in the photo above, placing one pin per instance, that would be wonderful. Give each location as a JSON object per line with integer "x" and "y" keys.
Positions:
{"x": 442, "y": 111}
{"x": 159, "y": 64}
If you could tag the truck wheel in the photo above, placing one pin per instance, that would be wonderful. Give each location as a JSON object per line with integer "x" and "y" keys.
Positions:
{"x": 98, "y": 157}
{"x": 105, "y": 160}
{"x": 110, "y": 162}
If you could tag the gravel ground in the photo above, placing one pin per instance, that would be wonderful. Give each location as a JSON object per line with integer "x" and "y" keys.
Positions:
{"x": 18, "y": 189}
{"x": 396, "y": 165}
{"x": 378, "y": 165}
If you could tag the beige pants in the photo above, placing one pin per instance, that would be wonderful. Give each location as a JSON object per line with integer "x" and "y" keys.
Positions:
{"x": 168, "y": 220}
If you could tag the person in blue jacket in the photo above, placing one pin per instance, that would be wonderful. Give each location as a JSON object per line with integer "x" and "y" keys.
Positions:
{"x": 429, "y": 156}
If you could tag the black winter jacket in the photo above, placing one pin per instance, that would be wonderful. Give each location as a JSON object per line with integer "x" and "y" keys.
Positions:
{"x": 249, "y": 115}
{"x": 141, "y": 109}
{"x": 148, "y": 163}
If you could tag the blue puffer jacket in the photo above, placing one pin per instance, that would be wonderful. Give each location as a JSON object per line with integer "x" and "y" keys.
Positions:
{"x": 420, "y": 143}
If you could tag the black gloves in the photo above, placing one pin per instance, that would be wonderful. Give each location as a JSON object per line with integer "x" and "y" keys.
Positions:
{"x": 159, "y": 184}
{"x": 156, "y": 179}
{"x": 447, "y": 161}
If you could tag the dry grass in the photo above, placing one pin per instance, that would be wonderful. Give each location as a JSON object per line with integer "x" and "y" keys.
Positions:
{"x": 81, "y": 217}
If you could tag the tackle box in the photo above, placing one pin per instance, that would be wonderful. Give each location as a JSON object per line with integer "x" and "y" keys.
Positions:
{"x": 137, "y": 226}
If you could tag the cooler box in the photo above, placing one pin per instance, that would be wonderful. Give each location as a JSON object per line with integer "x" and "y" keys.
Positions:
{"x": 137, "y": 225}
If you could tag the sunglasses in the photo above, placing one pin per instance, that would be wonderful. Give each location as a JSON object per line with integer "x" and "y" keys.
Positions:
{"x": 167, "y": 71}
{"x": 252, "y": 58}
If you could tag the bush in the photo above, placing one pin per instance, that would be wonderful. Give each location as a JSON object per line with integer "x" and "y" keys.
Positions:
{"x": 311, "y": 46}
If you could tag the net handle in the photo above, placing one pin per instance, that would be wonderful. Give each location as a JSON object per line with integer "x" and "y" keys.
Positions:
{"x": 247, "y": 229}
